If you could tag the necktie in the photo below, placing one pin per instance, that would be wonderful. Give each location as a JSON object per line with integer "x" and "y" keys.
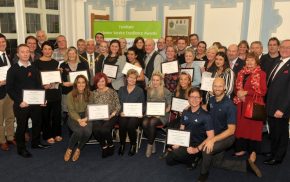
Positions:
{"x": 273, "y": 73}
{"x": 4, "y": 59}
{"x": 231, "y": 64}
{"x": 91, "y": 60}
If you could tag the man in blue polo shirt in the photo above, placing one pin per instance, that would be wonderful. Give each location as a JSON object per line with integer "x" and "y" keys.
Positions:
{"x": 223, "y": 113}
{"x": 199, "y": 123}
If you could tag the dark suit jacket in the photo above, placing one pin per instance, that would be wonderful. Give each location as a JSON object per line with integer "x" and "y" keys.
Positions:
{"x": 238, "y": 66}
{"x": 98, "y": 60}
{"x": 267, "y": 63}
{"x": 3, "y": 87}
{"x": 278, "y": 95}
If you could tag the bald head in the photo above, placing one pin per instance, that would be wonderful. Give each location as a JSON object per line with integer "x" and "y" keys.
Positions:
{"x": 232, "y": 52}
{"x": 149, "y": 45}
{"x": 219, "y": 87}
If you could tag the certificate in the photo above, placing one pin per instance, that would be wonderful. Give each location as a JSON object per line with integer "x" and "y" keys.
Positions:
{"x": 110, "y": 70}
{"x": 169, "y": 67}
{"x": 206, "y": 81}
{"x": 3, "y": 72}
{"x": 199, "y": 63}
{"x": 48, "y": 77}
{"x": 34, "y": 97}
{"x": 74, "y": 74}
{"x": 177, "y": 137}
{"x": 132, "y": 109}
{"x": 190, "y": 71}
{"x": 155, "y": 109}
{"x": 129, "y": 66}
{"x": 98, "y": 112}
{"x": 179, "y": 104}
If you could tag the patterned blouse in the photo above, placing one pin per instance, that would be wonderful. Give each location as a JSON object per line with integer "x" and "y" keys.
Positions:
{"x": 109, "y": 97}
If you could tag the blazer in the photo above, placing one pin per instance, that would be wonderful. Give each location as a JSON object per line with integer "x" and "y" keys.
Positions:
{"x": 278, "y": 95}
{"x": 238, "y": 66}
{"x": 119, "y": 81}
{"x": 3, "y": 87}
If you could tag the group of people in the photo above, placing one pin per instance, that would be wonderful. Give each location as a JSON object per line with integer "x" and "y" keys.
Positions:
{"x": 215, "y": 119}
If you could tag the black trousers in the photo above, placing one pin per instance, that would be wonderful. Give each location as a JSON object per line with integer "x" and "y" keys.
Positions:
{"x": 243, "y": 144}
{"x": 279, "y": 135}
{"x": 149, "y": 128}
{"x": 128, "y": 125}
{"x": 21, "y": 114}
{"x": 51, "y": 120}
{"x": 181, "y": 155}
{"x": 102, "y": 130}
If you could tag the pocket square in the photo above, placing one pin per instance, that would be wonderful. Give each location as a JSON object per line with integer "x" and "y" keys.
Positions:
{"x": 286, "y": 71}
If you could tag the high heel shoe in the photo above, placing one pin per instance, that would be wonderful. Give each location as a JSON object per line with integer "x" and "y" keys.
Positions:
{"x": 67, "y": 154}
{"x": 132, "y": 150}
{"x": 121, "y": 150}
{"x": 76, "y": 155}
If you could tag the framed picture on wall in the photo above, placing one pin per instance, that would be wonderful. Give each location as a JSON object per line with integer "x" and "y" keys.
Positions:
{"x": 178, "y": 26}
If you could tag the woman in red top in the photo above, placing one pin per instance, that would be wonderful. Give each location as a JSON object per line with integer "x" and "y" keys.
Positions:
{"x": 250, "y": 83}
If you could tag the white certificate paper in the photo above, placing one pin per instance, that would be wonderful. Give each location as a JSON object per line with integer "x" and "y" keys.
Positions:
{"x": 74, "y": 74}
{"x": 190, "y": 71}
{"x": 132, "y": 109}
{"x": 98, "y": 112}
{"x": 155, "y": 109}
{"x": 199, "y": 63}
{"x": 3, "y": 72}
{"x": 179, "y": 104}
{"x": 110, "y": 70}
{"x": 129, "y": 66}
{"x": 169, "y": 67}
{"x": 34, "y": 97}
{"x": 206, "y": 81}
{"x": 48, "y": 77}
{"x": 177, "y": 137}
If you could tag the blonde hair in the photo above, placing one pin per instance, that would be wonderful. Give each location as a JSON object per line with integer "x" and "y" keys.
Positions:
{"x": 160, "y": 90}
{"x": 72, "y": 49}
{"x": 214, "y": 48}
{"x": 132, "y": 72}
{"x": 178, "y": 88}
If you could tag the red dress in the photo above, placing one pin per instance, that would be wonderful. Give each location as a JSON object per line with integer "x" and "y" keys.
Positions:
{"x": 247, "y": 128}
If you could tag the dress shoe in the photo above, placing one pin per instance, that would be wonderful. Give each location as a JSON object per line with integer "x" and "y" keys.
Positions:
{"x": 24, "y": 153}
{"x": 4, "y": 147}
{"x": 11, "y": 142}
{"x": 132, "y": 150}
{"x": 272, "y": 162}
{"x": 121, "y": 150}
{"x": 40, "y": 146}
{"x": 76, "y": 155}
{"x": 251, "y": 167}
{"x": 67, "y": 155}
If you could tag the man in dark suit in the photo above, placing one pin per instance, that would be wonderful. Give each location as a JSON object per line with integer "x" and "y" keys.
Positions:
{"x": 278, "y": 105}
{"x": 6, "y": 104}
{"x": 236, "y": 63}
{"x": 41, "y": 37}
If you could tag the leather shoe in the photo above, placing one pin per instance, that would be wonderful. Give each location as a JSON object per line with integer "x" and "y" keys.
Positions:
{"x": 12, "y": 142}
{"x": 251, "y": 167}
{"x": 121, "y": 150}
{"x": 24, "y": 153}
{"x": 272, "y": 162}
{"x": 40, "y": 146}
{"x": 132, "y": 150}
{"x": 4, "y": 147}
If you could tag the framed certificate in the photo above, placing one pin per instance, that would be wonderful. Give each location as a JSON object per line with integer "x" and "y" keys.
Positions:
{"x": 169, "y": 67}
{"x": 48, "y": 77}
{"x": 98, "y": 112}
{"x": 190, "y": 71}
{"x": 179, "y": 104}
{"x": 110, "y": 70}
{"x": 206, "y": 81}
{"x": 177, "y": 137}
{"x": 133, "y": 109}
{"x": 74, "y": 74}
{"x": 178, "y": 26}
{"x": 199, "y": 63}
{"x": 3, "y": 72}
{"x": 34, "y": 97}
{"x": 129, "y": 66}
{"x": 155, "y": 109}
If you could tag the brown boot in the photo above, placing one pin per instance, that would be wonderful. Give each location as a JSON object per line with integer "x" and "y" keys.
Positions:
{"x": 76, "y": 155}
{"x": 67, "y": 154}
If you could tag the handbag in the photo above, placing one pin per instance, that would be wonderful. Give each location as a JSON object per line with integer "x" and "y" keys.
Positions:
{"x": 255, "y": 109}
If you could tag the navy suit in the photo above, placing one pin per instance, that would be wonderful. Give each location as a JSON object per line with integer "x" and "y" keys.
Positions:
{"x": 239, "y": 64}
{"x": 278, "y": 98}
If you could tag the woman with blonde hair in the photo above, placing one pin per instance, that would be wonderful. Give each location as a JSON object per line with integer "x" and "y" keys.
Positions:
{"x": 156, "y": 92}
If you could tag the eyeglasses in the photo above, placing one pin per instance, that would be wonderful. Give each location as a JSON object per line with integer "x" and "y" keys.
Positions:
{"x": 194, "y": 97}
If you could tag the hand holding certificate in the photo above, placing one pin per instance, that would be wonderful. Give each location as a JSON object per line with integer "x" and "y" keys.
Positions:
{"x": 132, "y": 109}
{"x": 177, "y": 137}
{"x": 129, "y": 66}
{"x": 98, "y": 112}
{"x": 110, "y": 70}
{"x": 3, "y": 72}
{"x": 206, "y": 81}
{"x": 155, "y": 109}
{"x": 48, "y": 77}
{"x": 34, "y": 97}
{"x": 169, "y": 67}
{"x": 179, "y": 104}
{"x": 74, "y": 74}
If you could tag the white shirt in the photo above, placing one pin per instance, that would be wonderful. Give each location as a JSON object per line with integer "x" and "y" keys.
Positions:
{"x": 1, "y": 54}
{"x": 232, "y": 63}
{"x": 21, "y": 64}
{"x": 280, "y": 65}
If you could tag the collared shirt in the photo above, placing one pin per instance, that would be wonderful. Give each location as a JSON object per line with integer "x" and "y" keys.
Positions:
{"x": 57, "y": 55}
{"x": 8, "y": 62}
{"x": 21, "y": 64}
{"x": 197, "y": 123}
{"x": 233, "y": 62}
{"x": 280, "y": 65}
{"x": 223, "y": 113}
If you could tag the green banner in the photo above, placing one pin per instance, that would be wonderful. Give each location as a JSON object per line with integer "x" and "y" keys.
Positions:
{"x": 129, "y": 29}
